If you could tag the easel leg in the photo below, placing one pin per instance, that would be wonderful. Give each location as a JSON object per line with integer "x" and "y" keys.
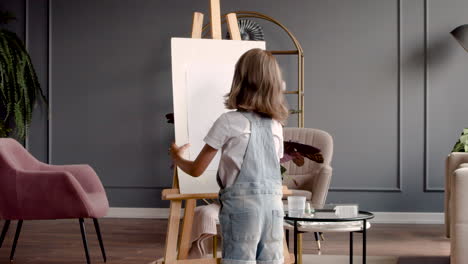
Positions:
{"x": 187, "y": 228}
{"x": 170, "y": 254}
{"x": 215, "y": 246}
{"x": 215, "y": 13}
{"x": 197, "y": 25}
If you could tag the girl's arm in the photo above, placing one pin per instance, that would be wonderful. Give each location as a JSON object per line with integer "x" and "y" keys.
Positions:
{"x": 198, "y": 166}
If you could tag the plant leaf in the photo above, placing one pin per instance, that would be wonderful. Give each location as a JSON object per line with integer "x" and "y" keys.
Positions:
{"x": 19, "y": 85}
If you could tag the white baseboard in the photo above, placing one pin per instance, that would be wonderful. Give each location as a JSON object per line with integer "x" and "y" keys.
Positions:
{"x": 148, "y": 213}
{"x": 408, "y": 218}
{"x": 380, "y": 217}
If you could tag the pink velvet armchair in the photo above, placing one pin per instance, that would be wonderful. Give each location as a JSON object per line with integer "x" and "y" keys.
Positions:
{"x": 32, "y": 190}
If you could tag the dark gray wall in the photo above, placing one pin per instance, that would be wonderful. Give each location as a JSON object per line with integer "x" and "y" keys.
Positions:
{"x": 384, "y": 77}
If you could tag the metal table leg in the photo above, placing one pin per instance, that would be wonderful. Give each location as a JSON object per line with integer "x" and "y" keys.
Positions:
{"x": 364, "y": 227}
{"x": 295, "y": 242}
{"x": 299, "y": 248}
{"x": 350, "y": 247}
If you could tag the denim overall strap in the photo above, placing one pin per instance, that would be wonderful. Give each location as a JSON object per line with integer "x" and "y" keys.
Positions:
{"x": 260, "y": 163}
{"x": 251, "y": 215}
{"x": 260, "y": 168}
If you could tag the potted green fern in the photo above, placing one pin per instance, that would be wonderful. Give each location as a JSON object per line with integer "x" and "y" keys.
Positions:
{"x": 19, "y": 86}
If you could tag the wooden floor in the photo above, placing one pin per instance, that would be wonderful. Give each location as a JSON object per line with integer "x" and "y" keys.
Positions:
{"x": 142, "y": 241}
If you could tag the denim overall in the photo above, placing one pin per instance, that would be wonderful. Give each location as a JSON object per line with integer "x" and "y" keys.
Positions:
{"x": 251, "y": 213}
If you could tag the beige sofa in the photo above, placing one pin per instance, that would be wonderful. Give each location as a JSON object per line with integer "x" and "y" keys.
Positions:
{"x": 453, "y": 162}
{"x": 456, "y": 209}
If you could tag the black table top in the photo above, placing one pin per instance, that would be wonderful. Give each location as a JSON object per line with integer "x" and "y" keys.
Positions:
{"x": 328, "y": 215}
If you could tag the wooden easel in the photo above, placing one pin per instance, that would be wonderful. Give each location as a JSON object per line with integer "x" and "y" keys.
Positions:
{"x": 177, "y": 248}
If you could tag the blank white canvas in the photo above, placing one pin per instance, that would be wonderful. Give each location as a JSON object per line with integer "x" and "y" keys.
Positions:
{"x": 207, "y": 84}
{"x": 202, "y": 71}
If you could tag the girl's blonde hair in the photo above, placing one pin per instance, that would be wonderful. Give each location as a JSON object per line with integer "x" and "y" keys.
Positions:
{"x": 257, "y": 86}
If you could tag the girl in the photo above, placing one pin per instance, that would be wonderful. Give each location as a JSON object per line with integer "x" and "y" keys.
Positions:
{"x": 251, "y": 140}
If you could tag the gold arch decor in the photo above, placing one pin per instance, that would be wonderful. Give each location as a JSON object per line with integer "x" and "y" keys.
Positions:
{"x": 298, "y": 51}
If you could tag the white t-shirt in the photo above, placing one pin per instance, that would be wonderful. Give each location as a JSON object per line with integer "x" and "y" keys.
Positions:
{"x": 231, "y": 132}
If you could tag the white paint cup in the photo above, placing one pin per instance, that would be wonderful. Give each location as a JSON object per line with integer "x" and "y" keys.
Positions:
{"x": 296, "y": 206}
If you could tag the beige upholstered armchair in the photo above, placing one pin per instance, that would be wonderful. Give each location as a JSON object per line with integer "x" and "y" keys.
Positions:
{"x": 456, "y": 211}
{"x": 312, "y": 179}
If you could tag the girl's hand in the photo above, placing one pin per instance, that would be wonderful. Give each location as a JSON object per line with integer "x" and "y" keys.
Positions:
{"x": 196, "y": 167}
{"x": 176, "y": 151}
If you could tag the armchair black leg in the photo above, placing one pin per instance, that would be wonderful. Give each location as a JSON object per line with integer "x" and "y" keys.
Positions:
{"x": 18, "y": 231}
{"x": 101, "y": 244}
{"x": 6, "y": 225}
{"x": 317, "y": 239}
{"x": 85, "y": 242}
